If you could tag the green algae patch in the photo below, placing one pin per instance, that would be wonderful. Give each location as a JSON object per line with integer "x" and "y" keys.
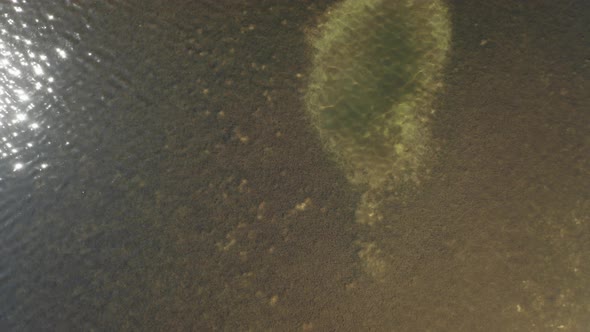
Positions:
{"x": 376, "y": 67}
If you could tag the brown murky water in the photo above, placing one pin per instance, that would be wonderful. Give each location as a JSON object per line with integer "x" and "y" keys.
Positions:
{"x": 158, "y": 172}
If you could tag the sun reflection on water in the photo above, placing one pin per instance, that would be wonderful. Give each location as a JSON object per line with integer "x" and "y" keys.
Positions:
{"x": 26, "y": 88}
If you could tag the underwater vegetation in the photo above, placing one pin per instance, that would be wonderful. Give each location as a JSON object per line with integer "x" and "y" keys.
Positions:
{"x": 376, "y": 66}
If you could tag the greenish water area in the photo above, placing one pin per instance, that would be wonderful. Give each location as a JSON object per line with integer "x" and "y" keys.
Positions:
{"x": 375, "y": 86}
{"x": 371, "y": 165}
{"x": 376, "y": 67}
{"x": 374, "y": 64}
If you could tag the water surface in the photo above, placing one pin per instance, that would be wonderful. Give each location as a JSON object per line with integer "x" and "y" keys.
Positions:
{"x": 158, "y": 172}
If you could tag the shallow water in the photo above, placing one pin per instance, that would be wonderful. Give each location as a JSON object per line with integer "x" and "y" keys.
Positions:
{"x": 158, "y": 172}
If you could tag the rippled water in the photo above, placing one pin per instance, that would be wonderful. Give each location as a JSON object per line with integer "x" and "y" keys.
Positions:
{"x": 158, "y": 171}
{"x": 76, "y": 133}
